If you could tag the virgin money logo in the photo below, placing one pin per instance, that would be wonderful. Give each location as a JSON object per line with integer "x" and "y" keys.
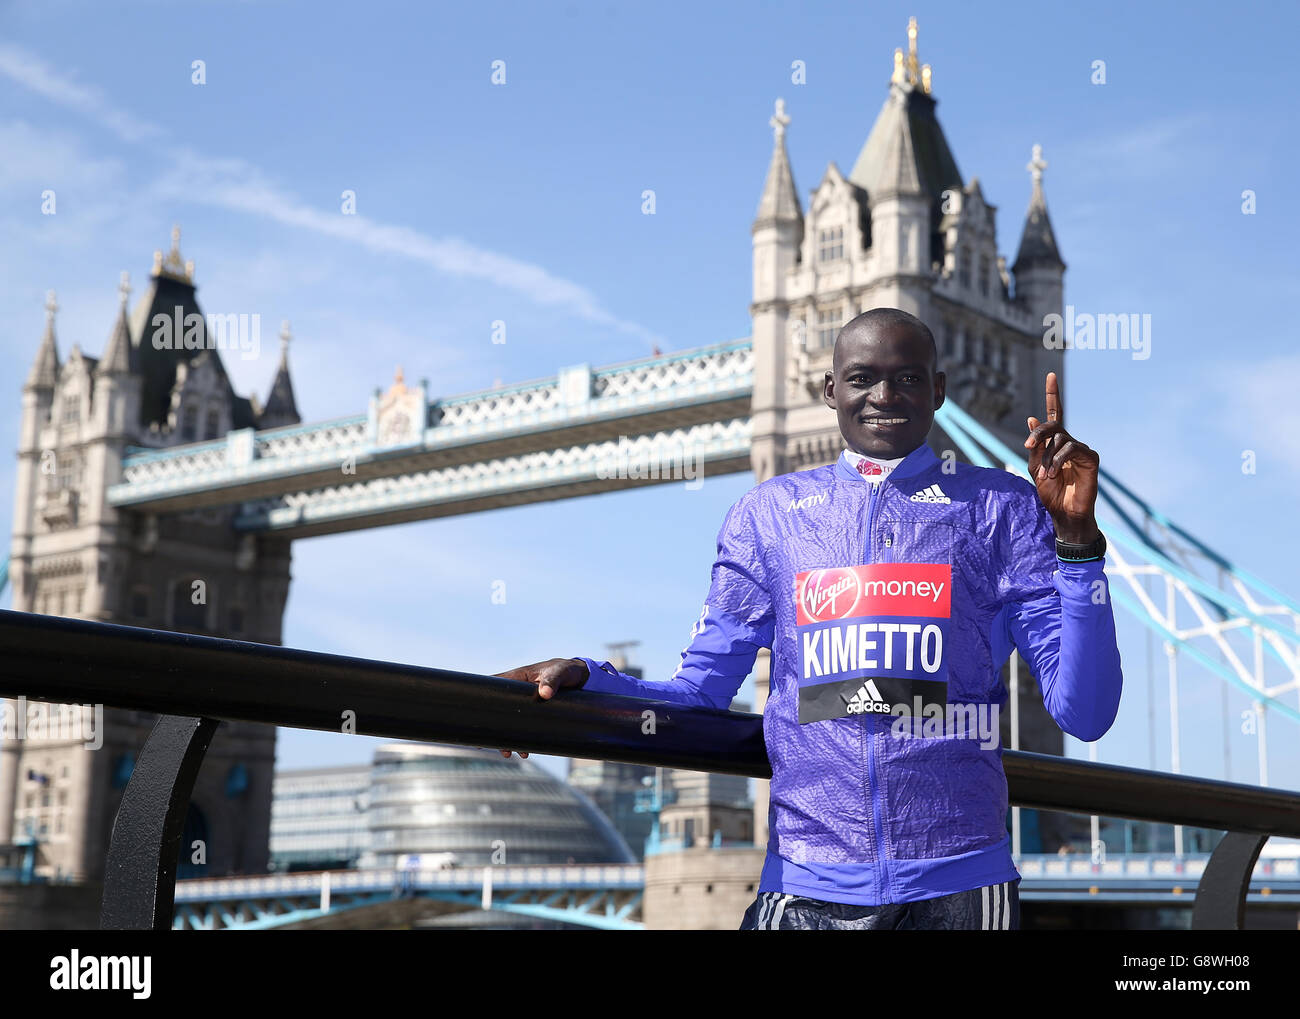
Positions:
{"x": 830, "y": 594}
{"x": 836, "y": 594}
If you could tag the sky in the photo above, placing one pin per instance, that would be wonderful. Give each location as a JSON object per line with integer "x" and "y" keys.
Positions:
{"x": 521, "y": 202}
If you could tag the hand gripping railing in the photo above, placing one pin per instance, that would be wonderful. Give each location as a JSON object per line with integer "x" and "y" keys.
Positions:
{"x": 195, "y": 682}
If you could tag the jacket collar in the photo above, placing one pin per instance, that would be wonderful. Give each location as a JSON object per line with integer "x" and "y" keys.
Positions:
{"x": 914, "y": 463}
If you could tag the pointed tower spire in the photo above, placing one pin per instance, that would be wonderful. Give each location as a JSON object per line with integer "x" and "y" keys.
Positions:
{"x": 173, "y": 266}
{"x": 45, "y": 369}
{"x": 780, "y": 201}
{"x": 119, "y": 354}
{"x": 908, "y": 70}
{"x": 285, "y": 337}
{"x": 906, "y": 152}
{"x": 1037, "y": 240}
{"x": 281, "y": 408}
{"x": 913, "y": 67}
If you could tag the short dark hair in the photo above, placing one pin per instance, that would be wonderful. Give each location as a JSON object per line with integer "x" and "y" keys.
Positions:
{"x": 890, "y": 317}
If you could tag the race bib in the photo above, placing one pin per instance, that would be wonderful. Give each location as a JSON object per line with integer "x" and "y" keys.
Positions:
{"x": 872, "y": 637}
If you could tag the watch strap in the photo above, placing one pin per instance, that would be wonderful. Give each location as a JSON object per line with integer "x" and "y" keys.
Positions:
{"x": 1070, "y": 553}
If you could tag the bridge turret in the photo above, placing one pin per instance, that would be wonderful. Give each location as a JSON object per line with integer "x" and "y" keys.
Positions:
{"x": 45, "y": 368}
{"x": 1039, "y": 270}
{"x": 905, "y": 167}
{"x": 159, "y": 382}
{"x": 117, "y": 377}
{"x": 777, "y": 237}
{"x": 38, "y": 403}
{"x": 281, "y": 408}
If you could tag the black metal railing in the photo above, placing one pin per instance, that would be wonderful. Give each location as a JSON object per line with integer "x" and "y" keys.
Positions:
{"x": 196, "y": 682}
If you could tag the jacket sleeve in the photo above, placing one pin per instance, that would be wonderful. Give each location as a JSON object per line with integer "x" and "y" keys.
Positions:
{"x": 1060, "y": 617}
{"x": 736, "y": 622}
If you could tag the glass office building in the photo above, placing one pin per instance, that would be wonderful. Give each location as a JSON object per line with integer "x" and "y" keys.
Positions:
{"x": 318, "y": 817}
{"x": 467, "y": 808}
{"x": 435, "y": 806}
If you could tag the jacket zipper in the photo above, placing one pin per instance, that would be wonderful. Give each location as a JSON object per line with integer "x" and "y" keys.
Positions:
{"x": 881, "y": 853}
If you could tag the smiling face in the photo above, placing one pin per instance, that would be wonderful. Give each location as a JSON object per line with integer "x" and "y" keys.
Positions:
{"x": 884, "y": 387}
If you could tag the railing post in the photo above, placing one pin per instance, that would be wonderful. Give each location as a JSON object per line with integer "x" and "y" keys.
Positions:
{"x": 140, "y": 872}
{"x": 1221, "y": 895}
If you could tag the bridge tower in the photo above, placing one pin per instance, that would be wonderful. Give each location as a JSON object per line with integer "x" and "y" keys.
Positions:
{"x": 160, "y": 382}
{"x": 901, "y": 230}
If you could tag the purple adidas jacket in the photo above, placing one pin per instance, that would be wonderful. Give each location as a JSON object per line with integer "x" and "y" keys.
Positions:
{"x": 890, "y": 610}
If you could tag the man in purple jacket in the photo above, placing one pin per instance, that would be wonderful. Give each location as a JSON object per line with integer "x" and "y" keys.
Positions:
{"x": 891, "y": 587}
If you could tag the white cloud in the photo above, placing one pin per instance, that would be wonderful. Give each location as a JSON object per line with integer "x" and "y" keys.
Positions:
{"x": 41, "y": 158}
{"x": 1264, "y": 422}
{"x": 87, "y": 190}
{"x": 31, "y": 72}
{"x": 1151, "y": 149}
{"x": 241, "y": 186}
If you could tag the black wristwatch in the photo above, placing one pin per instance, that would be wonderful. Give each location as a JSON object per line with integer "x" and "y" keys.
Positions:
{"x": 1070, "y": 553}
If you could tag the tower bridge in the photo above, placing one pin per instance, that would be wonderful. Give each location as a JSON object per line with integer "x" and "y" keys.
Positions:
{"x": 142, "y": 473}
{"x": 411, "y": 457}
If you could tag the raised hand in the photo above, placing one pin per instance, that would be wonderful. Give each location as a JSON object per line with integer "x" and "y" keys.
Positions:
{"x": 1064, "y": 471}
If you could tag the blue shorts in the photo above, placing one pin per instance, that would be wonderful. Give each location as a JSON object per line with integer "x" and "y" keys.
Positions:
{"x": 993, "y": 907}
